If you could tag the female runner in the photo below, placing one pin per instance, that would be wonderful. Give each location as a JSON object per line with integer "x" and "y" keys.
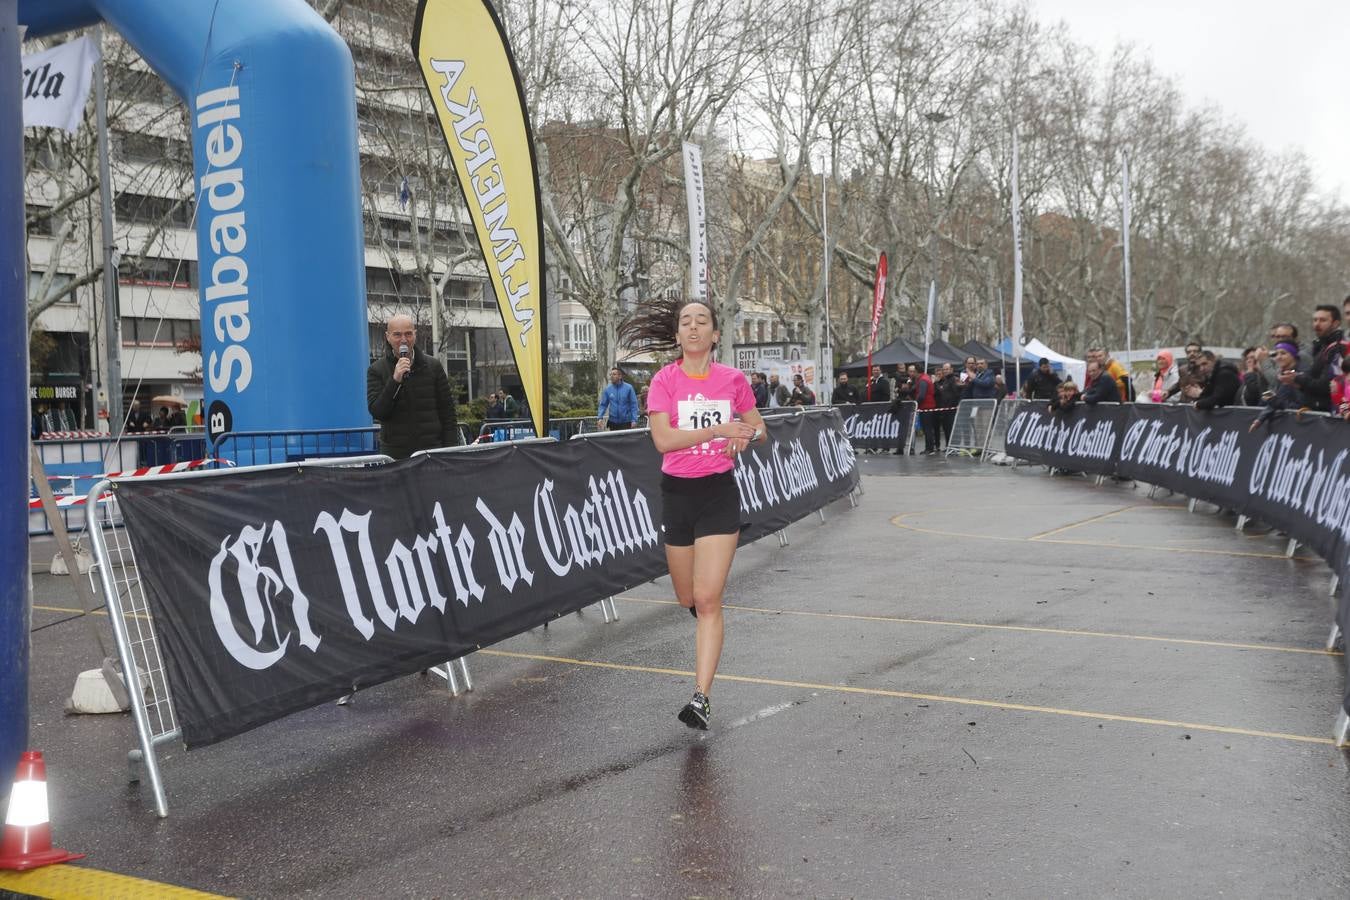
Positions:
{"x": 702, "y": 416}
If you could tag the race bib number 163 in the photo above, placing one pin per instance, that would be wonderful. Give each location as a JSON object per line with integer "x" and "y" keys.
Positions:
{"x": 696, "y": 414}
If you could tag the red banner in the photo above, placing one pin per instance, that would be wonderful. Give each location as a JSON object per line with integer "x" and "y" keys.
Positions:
{"x": 878, "y": 304}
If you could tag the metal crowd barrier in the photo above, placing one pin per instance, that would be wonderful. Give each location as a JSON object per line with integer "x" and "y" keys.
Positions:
{"x": 1008, "y": 408}
{"x": 133, "y": 624}
{"x": 115, "y": 574}
{"x": 73, "y": 466}
{"x": 509, "y": 430}
{"x": 265, "y": 448}
{"x": 973, "y": 425}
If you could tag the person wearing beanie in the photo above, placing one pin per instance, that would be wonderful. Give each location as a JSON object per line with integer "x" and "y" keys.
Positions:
{"x": 1286, "y": 395}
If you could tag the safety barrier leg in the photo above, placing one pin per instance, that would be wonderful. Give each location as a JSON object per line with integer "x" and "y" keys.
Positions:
{"x": 1334, "y": 639}
{"x": 1291, "y": 549}
{"x": 464, "y": 671}
{"x": 1241, "y": 523}
{"x": 447, "y": 671}
{"x": 1190, "y": 507}
{"x": 1341, "y": 733}
{"x": 130, "y": 671}
{"x": 1335, "y": 584}
{"x": 613, "y": 610}
{"x": 821, "y": 511}
{"x": 782, "y": 537}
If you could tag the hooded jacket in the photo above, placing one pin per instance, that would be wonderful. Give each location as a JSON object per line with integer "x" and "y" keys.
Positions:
{"x": 1165, "y": 378}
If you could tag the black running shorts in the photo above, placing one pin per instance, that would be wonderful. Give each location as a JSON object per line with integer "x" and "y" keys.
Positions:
{"x": 695, "y": 507}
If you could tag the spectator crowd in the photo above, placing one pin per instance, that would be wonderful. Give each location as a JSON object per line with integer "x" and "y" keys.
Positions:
{"x": 1282, "y": 374}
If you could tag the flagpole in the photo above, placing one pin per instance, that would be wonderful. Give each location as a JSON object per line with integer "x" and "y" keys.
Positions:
{"x": 828, "y": 362}
{"x": 1017, "y": 263}
{"x": 1125, "y": 232}
{"x": 111, "y": 314}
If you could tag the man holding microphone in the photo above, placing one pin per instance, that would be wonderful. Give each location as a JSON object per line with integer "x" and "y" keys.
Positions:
{"x": 408, "y": 394}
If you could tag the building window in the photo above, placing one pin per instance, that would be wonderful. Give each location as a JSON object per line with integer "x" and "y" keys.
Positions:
{"x": 145, "y": 210}
{"x": 59, "y": 281}
{"x": 388, "y": 287}
{"x": 38, "y": 221}
{"x": 157, "y": 271}
{"x": 142, "y": 332}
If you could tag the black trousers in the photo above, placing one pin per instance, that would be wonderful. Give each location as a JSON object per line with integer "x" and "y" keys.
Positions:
{"x": 928, "y": 420}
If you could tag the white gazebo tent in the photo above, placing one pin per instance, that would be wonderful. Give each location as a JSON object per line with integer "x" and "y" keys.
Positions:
{"x": 1034, "y": 349}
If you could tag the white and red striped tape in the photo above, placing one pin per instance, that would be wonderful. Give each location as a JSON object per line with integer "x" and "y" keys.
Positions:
{"x": 78, "y": 500}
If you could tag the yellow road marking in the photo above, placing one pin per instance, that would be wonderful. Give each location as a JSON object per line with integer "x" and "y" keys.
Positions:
{"x": 79, "y": 883}
{"x": 1088, "y": 521}
{"x": 68, "y": 609}
{"x": 1228, "y": 645}
{"x": 896, "y": 521}
{"x": 96, "y": 612}
{"x": 912, "y": 695}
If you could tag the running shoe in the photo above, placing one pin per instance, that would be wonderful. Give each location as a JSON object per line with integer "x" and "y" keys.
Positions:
{"x": 697, "y": 711}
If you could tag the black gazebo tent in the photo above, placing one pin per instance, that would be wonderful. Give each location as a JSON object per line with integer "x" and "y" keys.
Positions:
{"x": 940, "y": 352}
{"x": 898, "y": 352}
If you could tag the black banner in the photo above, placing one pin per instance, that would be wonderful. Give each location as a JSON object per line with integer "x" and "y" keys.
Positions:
{"x": 872, "y": 426}
{"x": 279, "y": 589}
{"x": 1292, "y": 472}
{"x": 1083, "y": 439}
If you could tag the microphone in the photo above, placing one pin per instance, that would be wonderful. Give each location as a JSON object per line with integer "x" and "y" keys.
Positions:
{"x": 402, "y": 354}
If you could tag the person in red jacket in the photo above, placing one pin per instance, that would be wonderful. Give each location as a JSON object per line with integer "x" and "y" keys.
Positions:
{"x": 926, "y": 396}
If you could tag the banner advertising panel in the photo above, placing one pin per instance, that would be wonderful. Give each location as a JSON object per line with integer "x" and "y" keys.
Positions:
{"x": 698, "y": 226}
{"x": 55, "y": 84}
{"x": 279, "y": 589}
{"x": 1081, "y": 439}
{"x": 468, "y": 68}
{"x": 875, "y": 426}
{"x": 878, "y": 305}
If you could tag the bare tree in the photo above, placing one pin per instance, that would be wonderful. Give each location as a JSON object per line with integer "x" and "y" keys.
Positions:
{"x": 652, "y": 73}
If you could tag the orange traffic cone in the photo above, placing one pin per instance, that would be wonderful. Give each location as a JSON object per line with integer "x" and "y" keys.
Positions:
{"x": 27, "y": 843}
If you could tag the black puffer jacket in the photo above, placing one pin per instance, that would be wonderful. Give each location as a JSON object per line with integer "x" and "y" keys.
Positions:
{"x": 417, "y": 415}
{"x": 1222, "y": 387}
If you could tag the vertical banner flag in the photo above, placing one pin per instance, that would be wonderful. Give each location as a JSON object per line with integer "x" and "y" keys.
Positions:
{"x": 878, "y": 304}
{"x": 468, "y": 68}
{"x": 928, "y": 323}
{"x": 1017, "y": 267}
{"x": 1125, "y": 237}
{"x": 698, "y": 226}
{"x": 56, "y": 82}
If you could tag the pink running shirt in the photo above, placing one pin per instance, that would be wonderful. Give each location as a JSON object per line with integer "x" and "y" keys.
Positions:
{"x": 694, "y": 403}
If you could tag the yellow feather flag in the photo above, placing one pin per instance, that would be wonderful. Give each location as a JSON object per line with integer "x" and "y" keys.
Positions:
{"x": 467, "y": 65}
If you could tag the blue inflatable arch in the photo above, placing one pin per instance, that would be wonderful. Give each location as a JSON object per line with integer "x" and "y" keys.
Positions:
{"x": 271, "y": 89}
{"x": 280, "y": 245}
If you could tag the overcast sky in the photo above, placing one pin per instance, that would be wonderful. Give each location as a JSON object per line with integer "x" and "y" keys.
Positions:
{"x": 1280, "y": 68}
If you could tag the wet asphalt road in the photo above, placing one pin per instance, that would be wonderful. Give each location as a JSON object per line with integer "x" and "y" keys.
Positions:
{"x": 953, "y": 690}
